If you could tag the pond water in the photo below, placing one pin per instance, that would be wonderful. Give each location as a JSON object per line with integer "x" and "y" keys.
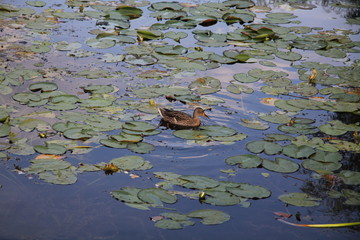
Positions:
{"x": 293, "y": 72}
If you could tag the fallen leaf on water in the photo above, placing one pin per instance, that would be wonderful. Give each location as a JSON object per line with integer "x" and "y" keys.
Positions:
{"x": 268, "y": 101}
{"x": 49, "y": 156}
{"x": 282, "y": 214}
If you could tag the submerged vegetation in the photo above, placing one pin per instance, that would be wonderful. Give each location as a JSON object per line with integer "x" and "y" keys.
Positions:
{"x": 64, "y": 96}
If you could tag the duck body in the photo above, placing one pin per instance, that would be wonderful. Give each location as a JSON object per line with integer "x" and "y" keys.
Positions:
{"x": 177, "y": 119}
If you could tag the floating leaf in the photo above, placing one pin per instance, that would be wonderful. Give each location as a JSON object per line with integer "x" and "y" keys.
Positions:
{"x": 249, "y": 191}
{"x": 141, "y": 147}
{"x": 254, "y": 124}
{"x": 127, "y": 194}
{"x": 217, "y": 131}
{"x": 244, "y": 161}
{"x": 156, "y": 196}
{"x": 289, "y": 56}
{"x": 50, "y": 148}
{"x": 205, "y": 85}
{"x": 264, "y": 146}
{"x": 198, "y": 182}
{"x": 190, "y": 134}
{"x": 295, "y": 151}
{"x": 210, "y": 216}
{"x": 128, "y": 162}
{"x": 350, "y": 177}
{"x": 321, "y": 166}
{"x": 43, "y": 87}
{"x": 281, "y": 165}
{"x": 300, "y": 199}
{"x": 220, "y": 198}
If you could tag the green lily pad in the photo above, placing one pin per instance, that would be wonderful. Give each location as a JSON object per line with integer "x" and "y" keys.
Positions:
{"x": 78, "y": 133}
{"x": 331, "y": 130}
{"x": 244, "y": 161}
{"x": 298, "y": 128}
{"x": 127, "y": 138}
{"x": 50, "y": 148}
{"x": 138, "y": 126}
{"x": 249, "y": 191}
{"x": 238, "y": 88}
{"x": 323, "y": 156}
{"x": 63, "y": 177}
{"x": 295, "y": 151}
{"x": 220, "y": 198}
{"x": 350, "y": 177}
{"x": 259, "y": 146}
{"x": 289, "y": 56}
{"x": 141, "y": 147}
{"x": 176, "y": 36}
{"x": 299, "y": 199}
{"x": 210, "y": 216}
{"x": 4, "y": 130}
{"x": 111, "y": 58}
{"x": 127, "y": 194}
{"x": 43, "y": 87}
{"x": 254, "y": 124}
{"x": 281, "y": 165}
{"x": 129, "y": 11}
{"x": 113, "y": 143}
{"x": 48, "y": 164}
{"x": 205, "y": 85}
{"x": 128, "y": 162}
{"x": 217, "y": 131}
{"x": 168, "y": 224}
{"x": 198, "y": 182}
{"x": 190, "y": 134}
{"x": 140, "y": 60}
{"x": 100, "y": 43}
{"x": 233, "y": 138}
{"x": 332, "y": 53}
{"x": 244, "y": 78}
{"x": 36, "y": 3}
{"x": 156, "y": 196}
{"x": 321, "y": 166}
{"x": 275, "y": 117}
{"x": 171, "y": 50}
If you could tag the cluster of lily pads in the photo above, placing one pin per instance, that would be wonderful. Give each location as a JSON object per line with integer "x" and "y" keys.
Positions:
{"x": 162, "y": 45}
{"x": 205, "y": 189}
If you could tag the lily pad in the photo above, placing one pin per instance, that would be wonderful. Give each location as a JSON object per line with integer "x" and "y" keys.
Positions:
{"x": 205, "y": 85}
{"x": 43, "y": 87}
{"x": 128, "y": 162}
{"x": 295, "y": 151}
{"x": 127, "y": 194}
{"x": 350, "y": 177}
{"x": 141, "y": 147}
{"x": 220, "y": 198}
{"x": 249, "y": 191}
{"x": 244, "y": 161}
{"x": 210, "y": 216}
{"x": 50, "y": 148}
{"x": 281, "y": 165}
{"x": 321, "y": 166}
{"x": 259, "y": 146}
{"x": 300, "y": 199}
{"x": 198, "y": 182}
{"x": 190, "y": 134}
{"x": 254, "y": 124}
{"x": 218, "y": 131}
{"x": 156, "y": 196}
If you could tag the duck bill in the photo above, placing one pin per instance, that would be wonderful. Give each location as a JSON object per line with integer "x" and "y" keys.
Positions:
{"x": 205, "y": 115}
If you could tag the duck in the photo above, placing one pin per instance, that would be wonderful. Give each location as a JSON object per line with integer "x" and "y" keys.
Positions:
{"x": 178, "y": 119}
